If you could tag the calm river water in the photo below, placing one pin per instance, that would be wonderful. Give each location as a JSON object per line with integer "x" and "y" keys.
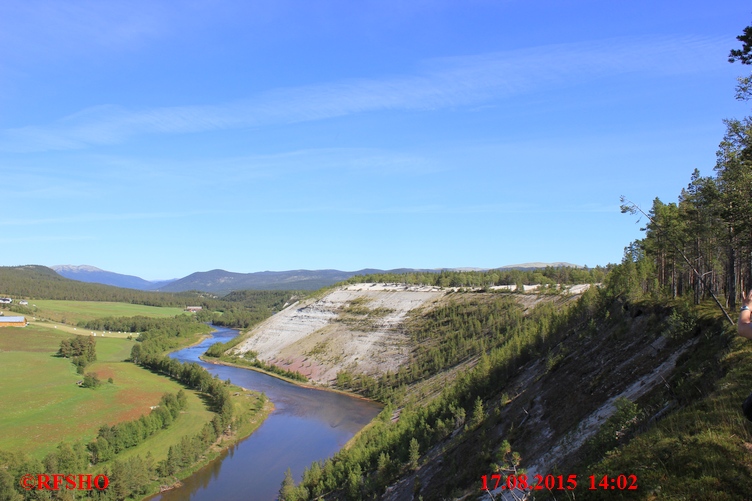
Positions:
{"x": 307, "y": 425}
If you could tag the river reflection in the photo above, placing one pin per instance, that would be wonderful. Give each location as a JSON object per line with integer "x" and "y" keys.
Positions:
{"x": 307, "y": 425}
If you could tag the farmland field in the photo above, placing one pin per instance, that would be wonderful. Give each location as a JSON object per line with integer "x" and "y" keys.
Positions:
{"x": 42, "y": 405}
{"x": 72, "y": 312}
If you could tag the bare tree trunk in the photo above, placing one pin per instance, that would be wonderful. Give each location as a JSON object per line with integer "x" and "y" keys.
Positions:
{"x": 732, "y": 277}
{"x": 697, "y": 281}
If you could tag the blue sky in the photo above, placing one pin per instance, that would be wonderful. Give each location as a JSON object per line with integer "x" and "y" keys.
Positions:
{"x": 162, "y": 138}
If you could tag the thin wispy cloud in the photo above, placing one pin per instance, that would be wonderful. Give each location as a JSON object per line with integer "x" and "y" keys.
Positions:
{"x": 446, "y": 210}
{"x": 298, "y": 162}
{"x": 161, "y": 173}
{"x": 106, "y": 217}
{"x": 45, "y": 239}
{"x": 439, "y": 84}
{"x": 43, "y": 29}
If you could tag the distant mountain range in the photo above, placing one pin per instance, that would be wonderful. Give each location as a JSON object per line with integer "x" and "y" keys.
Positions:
{"x": 91, "y": 274}
{"x": 223, "y": 282}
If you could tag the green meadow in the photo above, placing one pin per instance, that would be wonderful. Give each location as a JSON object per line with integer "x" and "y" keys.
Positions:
{"x": 72, "y": 312}
{"x": 42, "y": 405}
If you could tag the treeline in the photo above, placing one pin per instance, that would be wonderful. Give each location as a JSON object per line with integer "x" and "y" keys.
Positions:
{"x": 111, "y": 440}
{"x": 703, "y": 241}
{"x": 234, "y": 314}
{"x": 191, "y": 375}
{"x": 547, "y": 276}
{"x": 74, "y": 459}
{"x": 156, "y": 335}
{"x": 178, "y": 326}
{"x": 388, "y": 449}
{"x": 149, "y": 352}
{"x": 259, "y": 299}
{"x": 244, "y": 309}
{"x": 140, "y": 472}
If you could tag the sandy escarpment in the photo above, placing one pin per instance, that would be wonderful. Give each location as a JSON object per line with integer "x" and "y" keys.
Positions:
{"x": 356, "y": 327}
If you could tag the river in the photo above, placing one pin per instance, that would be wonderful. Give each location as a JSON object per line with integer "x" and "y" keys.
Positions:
{"x": 306, "y": 425}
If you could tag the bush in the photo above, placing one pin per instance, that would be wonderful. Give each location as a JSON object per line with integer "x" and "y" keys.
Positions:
{"x": 91, "y": 380}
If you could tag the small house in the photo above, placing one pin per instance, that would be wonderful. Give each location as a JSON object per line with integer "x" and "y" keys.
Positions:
{"x": 193, "y": 309}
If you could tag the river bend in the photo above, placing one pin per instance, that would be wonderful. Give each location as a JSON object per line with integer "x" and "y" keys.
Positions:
{"x": 306, "y": 425}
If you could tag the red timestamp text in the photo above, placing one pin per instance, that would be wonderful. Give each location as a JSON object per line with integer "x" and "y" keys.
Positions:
{"x": 556, "y": 482}
{"x": 613, "y": 482}
{"x": 525, "y": 483}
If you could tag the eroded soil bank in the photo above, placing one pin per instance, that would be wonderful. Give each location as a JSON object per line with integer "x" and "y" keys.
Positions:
{"x": 358, "y": 328}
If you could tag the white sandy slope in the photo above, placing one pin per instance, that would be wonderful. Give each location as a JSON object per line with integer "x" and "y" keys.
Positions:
{"x": 318, "y": 339}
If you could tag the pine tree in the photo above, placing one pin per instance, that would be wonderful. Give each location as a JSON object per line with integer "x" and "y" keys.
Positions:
{"x": 287, "y": 490}
{"x": 478, "y": 413}
{"x": 413, "y": 454}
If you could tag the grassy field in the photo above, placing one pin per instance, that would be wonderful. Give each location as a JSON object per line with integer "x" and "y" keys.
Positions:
{"x": 72, "y": 312}
{"x": 70, "y": 330}
{"x": 245, "y": 403}
{"x": 42, "y": 405}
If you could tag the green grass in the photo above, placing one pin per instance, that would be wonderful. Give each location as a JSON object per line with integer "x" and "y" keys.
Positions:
{"x": 72, "y": 312}
{"x": 703, "y": 450}
{"x": 42, "y": 405}
{"x": 190, "y": 423}
{"x": 113, "y": 350}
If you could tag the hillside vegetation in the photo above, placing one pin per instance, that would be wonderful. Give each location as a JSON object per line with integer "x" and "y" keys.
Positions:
{"x": 642, "y": 377}
{"x": 564, "y": 387}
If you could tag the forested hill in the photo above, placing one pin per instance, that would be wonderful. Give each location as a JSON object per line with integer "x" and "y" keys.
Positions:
{"x": 40, "y": 282}
{"x": 223, "y": 282}
{"x": 543, "y": 275}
